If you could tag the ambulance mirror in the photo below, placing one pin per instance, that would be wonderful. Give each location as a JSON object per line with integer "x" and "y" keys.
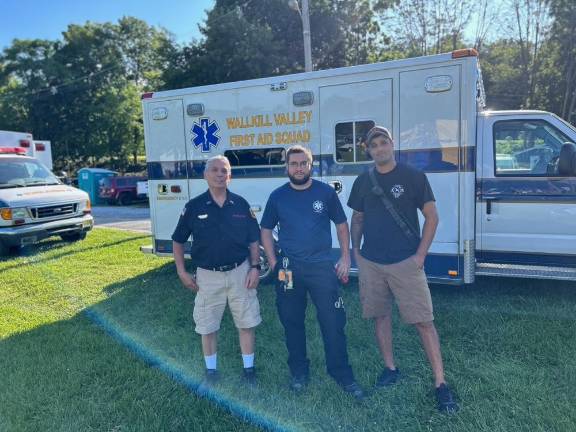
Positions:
{"x": 567, "y": 160}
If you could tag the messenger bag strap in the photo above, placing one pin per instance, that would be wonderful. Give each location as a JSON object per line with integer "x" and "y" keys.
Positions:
{"x": 404, "y": 224}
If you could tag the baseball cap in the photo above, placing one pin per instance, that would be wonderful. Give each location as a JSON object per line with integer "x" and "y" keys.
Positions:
{"x": 377, "y": 131}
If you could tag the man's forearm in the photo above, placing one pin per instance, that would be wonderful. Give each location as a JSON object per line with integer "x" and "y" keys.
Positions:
{"x": 178, "y": 252}
{"x": 356, "y": 227}
{"x": 268, "y": 244}
{"x": 343, "y": 239}
{"x": 428, "y": 233}
{"x": 254, "y": 253}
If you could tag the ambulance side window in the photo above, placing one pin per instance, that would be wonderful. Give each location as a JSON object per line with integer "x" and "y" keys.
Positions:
{"x": 526, "y": 148}
{"x": 350, "y": 139}
{"x": 257, "y": 157}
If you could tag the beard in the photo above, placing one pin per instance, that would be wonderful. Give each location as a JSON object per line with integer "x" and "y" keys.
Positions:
{"x": 299, "y": 181}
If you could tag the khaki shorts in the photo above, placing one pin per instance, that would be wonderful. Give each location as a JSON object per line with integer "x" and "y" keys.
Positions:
{"x": 215, "y": 289}
{"x": 403, "y": 281}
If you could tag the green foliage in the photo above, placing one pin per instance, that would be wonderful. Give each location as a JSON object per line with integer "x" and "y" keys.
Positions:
{"x": 82, "y": 93}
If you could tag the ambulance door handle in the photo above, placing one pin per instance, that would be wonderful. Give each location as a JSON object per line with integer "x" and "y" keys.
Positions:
{"x": 337, "y": 185}
{"x": 489, "y": 201}
{"x": 256, "y": 209}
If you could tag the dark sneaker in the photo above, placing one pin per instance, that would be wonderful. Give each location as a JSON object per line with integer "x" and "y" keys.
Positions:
{"x": 446, "y": 401}
{"x": 388, "y": 377}
{"x": 211, "y": 377}
{"x": 299, "y": 383}
{"x": 249, "y": 376}
{"x": 355, "y": 390}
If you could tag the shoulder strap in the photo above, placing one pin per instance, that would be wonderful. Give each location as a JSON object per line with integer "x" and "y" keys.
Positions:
{"x": 404, "y": 224}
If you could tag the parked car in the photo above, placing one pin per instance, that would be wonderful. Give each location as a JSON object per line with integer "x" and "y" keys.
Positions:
{"x": 119, "y": 190}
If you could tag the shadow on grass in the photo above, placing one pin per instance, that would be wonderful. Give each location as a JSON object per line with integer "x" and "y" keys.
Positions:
{"x": 52, "y": 244}
{"x": 69, "y": 376}
{"x": 508, "y": 355}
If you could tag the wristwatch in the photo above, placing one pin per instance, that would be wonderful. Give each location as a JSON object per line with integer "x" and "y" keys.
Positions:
{"x": 256, "y": 266}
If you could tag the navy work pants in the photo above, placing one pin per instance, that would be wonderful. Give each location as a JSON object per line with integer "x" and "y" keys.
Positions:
{"x": 320, "y": 281}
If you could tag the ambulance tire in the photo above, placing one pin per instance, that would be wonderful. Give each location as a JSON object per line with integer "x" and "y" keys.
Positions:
{"x": 4, "y": 249}
{"x": 77, "y": 236}
{"x": 266, "y": 273}
{"x": 125, "y": 199}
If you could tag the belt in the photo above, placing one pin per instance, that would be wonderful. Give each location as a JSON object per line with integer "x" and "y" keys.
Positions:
{"x": 224, "y": 268}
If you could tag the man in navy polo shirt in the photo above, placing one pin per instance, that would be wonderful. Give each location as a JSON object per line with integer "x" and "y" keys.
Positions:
{"x": 226, "y": 250}
{"x": 303, "y": 209}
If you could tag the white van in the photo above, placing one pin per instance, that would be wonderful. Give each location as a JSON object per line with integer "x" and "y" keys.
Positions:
{"x": 35, "y": 205}
{"x": 504, "y": 181}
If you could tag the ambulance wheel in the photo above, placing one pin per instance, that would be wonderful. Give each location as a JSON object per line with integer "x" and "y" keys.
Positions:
{"x": 266, "y": 273}
{"x": 77, "y": 236}
{"x": 4, "y": 250}
{"x": 125, "y": 199}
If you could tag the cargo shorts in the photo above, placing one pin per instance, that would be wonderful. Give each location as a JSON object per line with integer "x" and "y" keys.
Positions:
{"x": 381, "y": 284}
{"x": 215, "y": 290}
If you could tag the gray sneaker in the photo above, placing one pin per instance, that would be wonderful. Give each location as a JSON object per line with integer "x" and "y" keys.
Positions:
{"x": 446, "y": 401}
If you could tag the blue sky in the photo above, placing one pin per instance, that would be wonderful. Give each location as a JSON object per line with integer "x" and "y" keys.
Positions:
{"x": 47, "y": 19}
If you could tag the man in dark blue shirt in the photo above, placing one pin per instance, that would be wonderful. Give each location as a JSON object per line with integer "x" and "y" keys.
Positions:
{"x": 386, "y": 201}
{"x": 225, "y": 248}
{"x": 303, "y": 209}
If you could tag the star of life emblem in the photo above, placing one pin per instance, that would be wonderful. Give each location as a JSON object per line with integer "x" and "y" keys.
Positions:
{"x": 397, "y": 190}
{"x": 205, "y": 134}
{"x": 318, "y": 206}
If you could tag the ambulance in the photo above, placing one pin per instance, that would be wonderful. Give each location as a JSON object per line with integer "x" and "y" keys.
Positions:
{"x": 504, "y": 181}
{"x": 35, "y": 204}
{"x": 41, "y": 150}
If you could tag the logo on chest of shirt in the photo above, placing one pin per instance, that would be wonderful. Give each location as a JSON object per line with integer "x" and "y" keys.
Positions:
{"x": 318, "y": 206}
{"x": 397, "y": 191}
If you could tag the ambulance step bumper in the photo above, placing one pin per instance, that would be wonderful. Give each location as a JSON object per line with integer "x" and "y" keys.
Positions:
{"x": 526, "y": 271}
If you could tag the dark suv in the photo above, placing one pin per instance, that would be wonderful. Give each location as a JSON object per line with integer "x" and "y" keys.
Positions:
{"x": 119, "y": 190}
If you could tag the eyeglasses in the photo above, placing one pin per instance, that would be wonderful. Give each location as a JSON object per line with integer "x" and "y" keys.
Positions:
{"x": 303, "y": 164}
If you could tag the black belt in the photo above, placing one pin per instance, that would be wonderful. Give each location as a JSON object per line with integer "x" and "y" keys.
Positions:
{"x": 224, "y": 268}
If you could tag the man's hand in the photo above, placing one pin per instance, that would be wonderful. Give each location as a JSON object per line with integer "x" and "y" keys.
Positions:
{"x": 252, "y": 278}
{"x": 419, "y": 260}
{"x": 343, "y": 268}
{"x": 188, "y": 281}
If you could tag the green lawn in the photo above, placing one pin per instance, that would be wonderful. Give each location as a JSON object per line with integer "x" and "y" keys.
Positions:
{"x": 509, "y": 348}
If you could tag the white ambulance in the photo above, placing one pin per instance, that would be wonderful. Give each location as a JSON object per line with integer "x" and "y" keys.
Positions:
{"x": 505, "y": 182}
{"x": 35, "y": 205}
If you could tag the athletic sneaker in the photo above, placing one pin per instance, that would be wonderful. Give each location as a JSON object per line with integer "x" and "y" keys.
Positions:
{"x": 355, "y": 390}
{"x": 446, "y": 401}
{"x": 388, "y": 377}
{"x": 299, "y": 383}
{"x": 249, "y": 376}
{"x": 211, "y": 377}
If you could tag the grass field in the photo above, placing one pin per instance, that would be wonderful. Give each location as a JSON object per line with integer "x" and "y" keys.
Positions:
{"x": 509, "y": 348}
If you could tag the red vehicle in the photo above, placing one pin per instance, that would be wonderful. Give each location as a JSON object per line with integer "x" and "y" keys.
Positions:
{"x": 119, "y": 190}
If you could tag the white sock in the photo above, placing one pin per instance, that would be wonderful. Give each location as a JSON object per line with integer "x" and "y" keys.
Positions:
{"x": 210, "y": 361}
{"x": 248, "y": 360}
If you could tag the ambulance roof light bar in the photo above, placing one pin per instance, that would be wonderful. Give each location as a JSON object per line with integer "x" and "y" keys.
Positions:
{"x": 12, "y": 150}
{"x": 465, "y": 52}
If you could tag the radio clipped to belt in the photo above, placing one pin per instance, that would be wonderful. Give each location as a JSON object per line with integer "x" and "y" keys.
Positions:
{"x": 285, "y": 275}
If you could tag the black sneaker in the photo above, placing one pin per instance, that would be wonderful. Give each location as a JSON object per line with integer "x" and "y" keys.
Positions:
{"x": 211, "y": 377}
{"x": 249, "y": 376}
{"x": 388, "y": 377}
{"x": 446, "y": 401}
{"x": 355, "y": 390}
{"x": 299, "y": 383}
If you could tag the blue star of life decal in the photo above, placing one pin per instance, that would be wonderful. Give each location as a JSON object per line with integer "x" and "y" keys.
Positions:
{"x": 206, "y": 134}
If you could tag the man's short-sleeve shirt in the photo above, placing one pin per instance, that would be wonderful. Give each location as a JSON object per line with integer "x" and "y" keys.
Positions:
{"x": 220, "y": 235}
{"x": 303, "y": 218}
{"x": 408, "y": 189}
